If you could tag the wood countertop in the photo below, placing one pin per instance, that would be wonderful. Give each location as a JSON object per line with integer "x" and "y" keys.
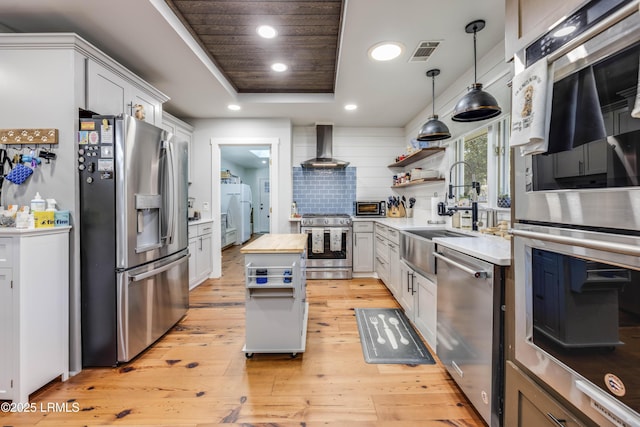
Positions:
{"x": 276, "y": 243}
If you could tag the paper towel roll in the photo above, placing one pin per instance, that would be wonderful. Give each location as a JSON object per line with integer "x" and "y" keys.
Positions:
{"x": 434, "y": 209}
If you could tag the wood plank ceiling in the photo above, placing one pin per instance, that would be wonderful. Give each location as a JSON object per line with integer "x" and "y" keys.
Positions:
{"x": 307, "y": 41}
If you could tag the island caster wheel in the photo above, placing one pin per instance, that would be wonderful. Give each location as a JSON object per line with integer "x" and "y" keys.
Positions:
{"x": 294, "y": 355}
{"x": 248, "y": 355}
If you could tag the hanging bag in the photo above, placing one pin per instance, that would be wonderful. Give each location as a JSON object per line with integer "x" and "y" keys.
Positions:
{"x": 19, "y": 174}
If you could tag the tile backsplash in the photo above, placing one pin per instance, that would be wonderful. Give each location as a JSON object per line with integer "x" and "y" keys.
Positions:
{"x": 324, "y": 190}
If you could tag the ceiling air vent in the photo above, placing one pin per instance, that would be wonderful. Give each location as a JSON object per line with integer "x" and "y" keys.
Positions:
{"x": 424, "y": 51}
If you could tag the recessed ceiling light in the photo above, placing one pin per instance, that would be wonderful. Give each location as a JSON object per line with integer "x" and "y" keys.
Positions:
{"x": 266, "y": 31}
{"x": 385, "y": 51}
{"x": 350, "y": 107}
{"x": 279, "y": 67}
{"x": 233, "y": 107}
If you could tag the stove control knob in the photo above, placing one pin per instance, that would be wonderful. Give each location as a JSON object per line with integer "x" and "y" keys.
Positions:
{"x": 326, "y": 222}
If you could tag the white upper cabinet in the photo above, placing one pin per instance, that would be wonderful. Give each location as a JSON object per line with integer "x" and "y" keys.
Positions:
{"x": 182, "y": 132}
{"x": 108, "y": 92}
{"x": 526, "y": 20}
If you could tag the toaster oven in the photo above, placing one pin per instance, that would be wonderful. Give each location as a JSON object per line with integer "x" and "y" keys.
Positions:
{"x": 369, "y": 208}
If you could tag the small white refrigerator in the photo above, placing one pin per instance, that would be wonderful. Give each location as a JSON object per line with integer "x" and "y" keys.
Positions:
{"x": 236, "y": 202}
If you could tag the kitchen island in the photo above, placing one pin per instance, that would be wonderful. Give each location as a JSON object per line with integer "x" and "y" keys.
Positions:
{"x": 276, "y": 307}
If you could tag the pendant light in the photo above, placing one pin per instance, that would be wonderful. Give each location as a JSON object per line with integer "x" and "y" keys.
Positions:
{"x": 477, "y": 104}
{"x": 434, "y": 129}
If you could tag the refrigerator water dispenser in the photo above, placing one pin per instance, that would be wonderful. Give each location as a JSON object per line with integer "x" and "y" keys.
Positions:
{"x": 148, "y": 235}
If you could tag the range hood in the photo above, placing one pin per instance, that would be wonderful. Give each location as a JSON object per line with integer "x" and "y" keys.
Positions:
{"x": 324, "y": 151}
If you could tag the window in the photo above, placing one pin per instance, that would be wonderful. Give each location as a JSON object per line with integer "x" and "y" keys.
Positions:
{"x": 484, "y": 157}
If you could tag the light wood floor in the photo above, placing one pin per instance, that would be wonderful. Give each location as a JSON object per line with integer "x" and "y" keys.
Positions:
{"x": 197, "y": 374}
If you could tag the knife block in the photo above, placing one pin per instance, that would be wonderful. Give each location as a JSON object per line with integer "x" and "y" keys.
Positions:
{"x": 397, "y": 212}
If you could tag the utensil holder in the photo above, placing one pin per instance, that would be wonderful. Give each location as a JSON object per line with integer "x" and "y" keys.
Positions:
{"x": 409, "y": 212}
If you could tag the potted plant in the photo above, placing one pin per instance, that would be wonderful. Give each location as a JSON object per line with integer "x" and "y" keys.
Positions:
{"x": 504, "y": 201}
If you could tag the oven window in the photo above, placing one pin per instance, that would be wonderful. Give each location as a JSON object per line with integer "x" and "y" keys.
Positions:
{"x": 327, "y": 253}
{"x": 594, "y": 141}
{"x": 587, "y": 315}
{"x": 368, "y": 208}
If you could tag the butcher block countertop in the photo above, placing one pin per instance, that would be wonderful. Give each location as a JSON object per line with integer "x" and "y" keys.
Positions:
{"x": 276, "y": 243}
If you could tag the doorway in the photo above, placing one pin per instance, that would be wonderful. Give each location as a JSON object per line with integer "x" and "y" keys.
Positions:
{"x": 250, "y": 161}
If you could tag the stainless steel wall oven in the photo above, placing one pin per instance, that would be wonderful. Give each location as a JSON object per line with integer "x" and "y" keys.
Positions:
{"x": 329, "y": 246}
{"x": 591, "y": 173}
{"x": 577, "y": 210}
{"x": 577, "y": 325}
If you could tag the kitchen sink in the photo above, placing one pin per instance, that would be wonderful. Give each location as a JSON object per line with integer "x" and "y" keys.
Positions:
{"x": 417, "y": 248}
{"x": 430, "y": 234}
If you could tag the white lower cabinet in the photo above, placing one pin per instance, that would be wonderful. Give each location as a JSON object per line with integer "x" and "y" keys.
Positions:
{"x": 407, "y": 290}
{"x": 34, "y": 310}
{"x": 200, "y": 252}
{"x": 418, "y": 298}
{"x": 363, "y": 247}
{"x": 387, "y": 256}
{"x": 394, "y": 269}
{"x": 425, "y": 308}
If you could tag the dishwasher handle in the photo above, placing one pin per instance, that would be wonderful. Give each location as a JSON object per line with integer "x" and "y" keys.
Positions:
{"x": 475, "y": 273}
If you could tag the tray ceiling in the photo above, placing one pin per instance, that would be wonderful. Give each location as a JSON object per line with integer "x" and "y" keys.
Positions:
{"x": 308, "y": 41}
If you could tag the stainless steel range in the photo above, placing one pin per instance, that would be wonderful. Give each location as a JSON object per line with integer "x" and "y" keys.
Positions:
{"x": 329, "y": 247}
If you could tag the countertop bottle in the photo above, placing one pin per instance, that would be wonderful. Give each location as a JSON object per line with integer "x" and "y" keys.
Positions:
{"x": 37, "y": 203}
{"x": 465, "y": 220}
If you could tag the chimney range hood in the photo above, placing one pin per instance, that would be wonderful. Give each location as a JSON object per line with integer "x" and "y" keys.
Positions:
{"x": 324, "y": 151}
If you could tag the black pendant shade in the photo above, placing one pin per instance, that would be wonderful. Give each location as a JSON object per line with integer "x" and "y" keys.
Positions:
{"x": 476, "y": 104}
{"x": 433, "y": 129}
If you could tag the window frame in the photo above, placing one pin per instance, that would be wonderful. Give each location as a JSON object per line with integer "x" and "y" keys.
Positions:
{"x": 498, "y": 160}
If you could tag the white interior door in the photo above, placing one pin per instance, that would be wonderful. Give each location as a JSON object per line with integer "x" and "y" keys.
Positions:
{"x": 264, "y": 209}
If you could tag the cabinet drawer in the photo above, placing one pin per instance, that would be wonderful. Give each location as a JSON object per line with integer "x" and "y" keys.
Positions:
{"x": 205, "y": 228}
{"x": 363, "y": 227}
{"x": 192, "y": 231}
{"x": 393, "y": 235}
{"x": 5, "y": 252}
{"x": 382, "y": 230}
{"x": 382, "y": 248}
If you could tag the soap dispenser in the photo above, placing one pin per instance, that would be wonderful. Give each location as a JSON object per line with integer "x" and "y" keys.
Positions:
{"x": 37, "y": 203}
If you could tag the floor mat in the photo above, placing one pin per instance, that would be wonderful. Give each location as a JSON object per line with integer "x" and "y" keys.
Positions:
{"x": 387, "y": 337}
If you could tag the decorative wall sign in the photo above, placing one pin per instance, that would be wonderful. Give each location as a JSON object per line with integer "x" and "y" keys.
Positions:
{"x": 28, "y": 136}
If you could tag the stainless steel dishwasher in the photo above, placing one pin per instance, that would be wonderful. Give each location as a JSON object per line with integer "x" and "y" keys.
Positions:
{"x": 470, "y": 328}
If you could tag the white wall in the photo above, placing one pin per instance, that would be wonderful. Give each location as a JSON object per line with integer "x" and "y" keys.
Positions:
{"x": 206, "y": 167}
{"x": 368, "y": 149}
{"x": 495, "y": 75}
{"x": 37, "y": 96}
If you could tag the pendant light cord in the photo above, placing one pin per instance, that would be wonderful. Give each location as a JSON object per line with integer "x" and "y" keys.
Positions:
{"x": 433, "y": 96}
{"x": 475, "y": 64}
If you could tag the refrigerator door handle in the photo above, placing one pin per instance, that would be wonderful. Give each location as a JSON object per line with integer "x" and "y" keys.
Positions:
{"x": 168, "y": 237}
{"x": 147, "y": 274}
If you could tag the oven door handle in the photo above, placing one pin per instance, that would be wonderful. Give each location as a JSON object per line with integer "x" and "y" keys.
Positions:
{"x": 618, "y": 248}
{"x": 475, "y": 273}
{"x": 607, "y": 402}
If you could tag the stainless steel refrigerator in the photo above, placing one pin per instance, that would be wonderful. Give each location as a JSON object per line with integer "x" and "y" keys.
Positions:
{"x": 133, "y": 236}
{"x": 236, "y": 201}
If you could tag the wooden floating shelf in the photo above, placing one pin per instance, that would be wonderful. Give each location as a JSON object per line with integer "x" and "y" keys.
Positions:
{"x": 417, "y": 182}
{"x": 28, "y": 136}
{"x": 418, "y": 155}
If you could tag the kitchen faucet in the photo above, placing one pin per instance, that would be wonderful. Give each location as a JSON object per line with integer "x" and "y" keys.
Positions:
{"x": 443, "y": 209}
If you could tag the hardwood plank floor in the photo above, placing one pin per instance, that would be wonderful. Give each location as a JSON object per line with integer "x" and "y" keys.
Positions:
{"x": 197, "y": 374}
